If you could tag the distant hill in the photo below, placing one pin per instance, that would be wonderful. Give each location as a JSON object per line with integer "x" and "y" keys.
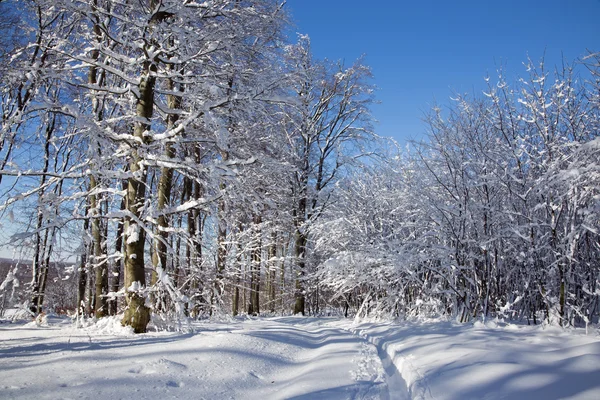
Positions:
{"x": 61, "y": 290}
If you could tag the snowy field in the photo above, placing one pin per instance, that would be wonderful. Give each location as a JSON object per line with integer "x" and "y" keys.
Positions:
{"x": 298, "y": 358}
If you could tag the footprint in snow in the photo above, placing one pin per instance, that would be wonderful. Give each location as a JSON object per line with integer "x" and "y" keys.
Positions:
{"x": 154, "y": 367}
{"x": 368, "y": 365}
{"x": 168, "y": 364}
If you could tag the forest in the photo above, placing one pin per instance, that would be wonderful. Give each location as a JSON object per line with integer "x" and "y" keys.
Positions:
{"x": 167, "y": 159}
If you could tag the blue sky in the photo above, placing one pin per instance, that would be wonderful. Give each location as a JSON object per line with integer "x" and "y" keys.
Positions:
{"x": 430, "y": 49}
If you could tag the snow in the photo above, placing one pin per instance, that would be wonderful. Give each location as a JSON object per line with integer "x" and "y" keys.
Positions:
{"x": 444, "y": 360}
{"x": 132, "y": 234}
{"x": 253, "y": 359}
{"x": 297, "y": 358}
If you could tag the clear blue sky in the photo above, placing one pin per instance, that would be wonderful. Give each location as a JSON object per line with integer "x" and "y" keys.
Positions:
{"x": 425, "y": 50}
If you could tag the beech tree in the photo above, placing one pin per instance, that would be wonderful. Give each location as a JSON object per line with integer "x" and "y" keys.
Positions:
{"x": 328, "y": 129}
{"x": 148, "y": 91}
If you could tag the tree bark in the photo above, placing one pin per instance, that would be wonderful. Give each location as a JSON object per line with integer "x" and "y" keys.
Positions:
{"x": 137, "y": 314}
{"x": 254, "y": 306}
{"x": 272, "y": 272}
{"x": 113, "y": 304}
{"x": 300, "y": 248}
{"x": 165, "y": 184}
{"x": 40, "y": 246}
{"x": 81, "y": 283}
{"x": 99, "y": 260}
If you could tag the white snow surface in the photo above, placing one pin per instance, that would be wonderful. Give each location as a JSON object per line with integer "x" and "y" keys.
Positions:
{"x": 444, "y": 360}
{"x": 298, "y": 358}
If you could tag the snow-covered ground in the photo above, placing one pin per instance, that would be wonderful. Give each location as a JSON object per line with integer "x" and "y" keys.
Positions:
{"x": 298, "y": 358}
{"x": 492, "y": 361}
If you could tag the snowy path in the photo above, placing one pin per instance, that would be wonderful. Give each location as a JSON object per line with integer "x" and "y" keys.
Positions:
{"x": 280, "y": 358}
{"x": 447, "y": 361}
{"x": 300, "y": 358}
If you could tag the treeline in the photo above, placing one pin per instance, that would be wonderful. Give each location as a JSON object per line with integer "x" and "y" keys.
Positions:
{"x": 191, "y": 162}
{"x": 496, "y": 213}
{"x": 179, "y": 150}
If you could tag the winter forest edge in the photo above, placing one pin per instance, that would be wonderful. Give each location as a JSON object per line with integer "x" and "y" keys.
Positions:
{"x": 164, "y": 160}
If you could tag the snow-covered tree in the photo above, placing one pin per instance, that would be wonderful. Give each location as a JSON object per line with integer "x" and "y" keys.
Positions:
{"x": 329, "y": 129}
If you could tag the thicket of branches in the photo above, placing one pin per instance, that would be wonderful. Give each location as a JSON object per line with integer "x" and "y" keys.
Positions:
{"x": 497, "y": 213}
{"x": 190, "y": 162}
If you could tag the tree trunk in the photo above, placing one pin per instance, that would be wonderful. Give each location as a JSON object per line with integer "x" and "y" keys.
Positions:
{"x": 282, "y": 277}
{"x": 272, "y": 256}
{"x": 254, "y": 306}
{"x": 90, "y": 295}
{"x": 98, "y": 260}
{"x": 159, "y": 255}
{"x": 137, "y": 314}
{"x": 48, "y": 240}
{"x": 81, "y": 284}
{"x": 235, "y": 302}
{"x": 165, "y": 183}
{"x": 39, "y": 249}
{"x": 300, "y": 249}
{"x": 113, "y": 305}
{"x": 194, "y": 245}
{"x": 221, "y": 245}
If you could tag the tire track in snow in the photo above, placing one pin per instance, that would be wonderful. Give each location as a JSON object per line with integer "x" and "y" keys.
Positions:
{"x": 397, "y": 389}
{"x": 396, "y": 385}
{"x": 322, "y": 353}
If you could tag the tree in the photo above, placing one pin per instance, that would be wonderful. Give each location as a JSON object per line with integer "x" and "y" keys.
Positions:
{"x": 328, "y": 129}
{"x": 141, "y": 95}
{"x": 492, "y": 215}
